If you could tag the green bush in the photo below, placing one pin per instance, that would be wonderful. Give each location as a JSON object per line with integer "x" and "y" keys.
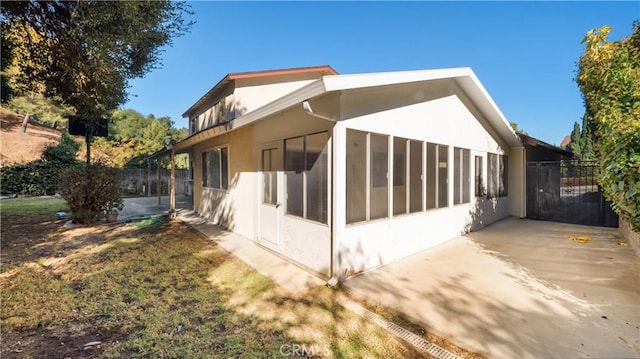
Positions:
{"x": 37, "y": 178}
{"x": 89, "y": 190}
{"x": 40, "y": 177}
{"x": 609, "y": 78}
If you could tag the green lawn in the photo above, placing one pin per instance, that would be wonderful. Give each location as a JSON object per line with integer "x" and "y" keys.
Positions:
{"x": 31, "y": 209}
{"x": 162, "y": 291}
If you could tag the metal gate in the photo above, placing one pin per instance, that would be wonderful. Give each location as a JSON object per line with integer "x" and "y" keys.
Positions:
{"x": 567, "y": 191}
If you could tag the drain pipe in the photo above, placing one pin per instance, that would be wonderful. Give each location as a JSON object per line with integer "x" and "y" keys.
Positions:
{"x": 338, "y": 206}
{"x": 310, "y": 111}
{"x": 335, "y": 270}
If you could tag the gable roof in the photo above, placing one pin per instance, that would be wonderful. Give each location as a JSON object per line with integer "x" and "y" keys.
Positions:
{"x": 223, "y": 84}
{"x": 464, "y": 77}
{"x": 534, "y": 142}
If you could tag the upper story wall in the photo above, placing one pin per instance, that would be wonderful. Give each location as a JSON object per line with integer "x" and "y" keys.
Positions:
{"x": 242, "y": 96}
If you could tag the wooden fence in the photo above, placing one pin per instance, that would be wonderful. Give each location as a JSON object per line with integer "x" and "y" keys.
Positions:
{"x": 141, "y": 182}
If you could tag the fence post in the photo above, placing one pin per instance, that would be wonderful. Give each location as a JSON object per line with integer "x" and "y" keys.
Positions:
{"x": 172, "y": 186}
{"x": 159, "y": 181}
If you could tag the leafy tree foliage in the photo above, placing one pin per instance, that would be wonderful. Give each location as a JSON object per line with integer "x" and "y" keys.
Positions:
{"x": 609, "y": 78}
{"x": 514, "y": 126}
{"x": 83, "y": 53}
{"x": 43, "y": 109}
{"x": 582, "y": 141}
{"x": 133, "y": 137}
{"x": 5, "y": 59}
{"x": 65, "y": 152}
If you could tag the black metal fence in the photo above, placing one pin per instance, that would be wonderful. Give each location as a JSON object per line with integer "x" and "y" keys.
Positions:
{"x": 567, "y": 191}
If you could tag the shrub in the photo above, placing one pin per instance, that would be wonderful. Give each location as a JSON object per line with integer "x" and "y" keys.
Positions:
{"x": 89, "y": 190}
{"x": 36, "y": 178}
{"x": 609, "y": 78}
{"x": 40, "y": 177}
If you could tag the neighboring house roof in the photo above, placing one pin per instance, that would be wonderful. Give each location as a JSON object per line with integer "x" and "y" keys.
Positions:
{"x": 223, "y": 84}
{"x": 464, "y": 77}
{"x": 565, "y": 142}
{"x": 534, "y": 142}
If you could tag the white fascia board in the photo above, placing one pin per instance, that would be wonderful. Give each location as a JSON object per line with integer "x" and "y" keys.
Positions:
{"x": 465, "y": 77}
{"x": 472, "y": 85}
{"x": 311, "y": 90}
{"x": 349, "y": 82}
{"x": 298, "y": 96}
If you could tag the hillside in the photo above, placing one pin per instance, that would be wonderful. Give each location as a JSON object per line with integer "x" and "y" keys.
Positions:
{"x": 21, "y": 147}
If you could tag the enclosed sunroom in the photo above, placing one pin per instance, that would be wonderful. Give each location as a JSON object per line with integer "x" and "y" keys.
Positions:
{"x": 343, "y": 173}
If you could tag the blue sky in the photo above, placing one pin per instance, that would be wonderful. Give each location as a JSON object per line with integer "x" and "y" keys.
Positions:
{"x": 524, "y": 53}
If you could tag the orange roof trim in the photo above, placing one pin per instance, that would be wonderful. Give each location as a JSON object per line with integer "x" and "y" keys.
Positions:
{"x": 325, "y": 70}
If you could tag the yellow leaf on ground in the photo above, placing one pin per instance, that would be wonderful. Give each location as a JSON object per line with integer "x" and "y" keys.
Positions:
{"x": 579, "y": 239}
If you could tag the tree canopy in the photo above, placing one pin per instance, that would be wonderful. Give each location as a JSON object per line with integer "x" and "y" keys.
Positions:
{"x": 609, "y": 78}
{"x": 83, "y": 53}
{"x": 133, "y": 137}
{"x": 582, "y": 140}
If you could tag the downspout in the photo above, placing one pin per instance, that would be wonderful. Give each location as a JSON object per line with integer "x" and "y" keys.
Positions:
{"x": 310, "y": 111}
{"x": 335, "y": 270}
{"x": 523, "y": 209}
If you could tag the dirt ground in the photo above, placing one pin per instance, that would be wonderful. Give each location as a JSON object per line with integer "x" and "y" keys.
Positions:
{"x": 21, "y": 147}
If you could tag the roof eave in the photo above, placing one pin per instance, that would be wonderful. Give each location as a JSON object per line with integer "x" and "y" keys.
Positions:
{"x": 309, "y": 91}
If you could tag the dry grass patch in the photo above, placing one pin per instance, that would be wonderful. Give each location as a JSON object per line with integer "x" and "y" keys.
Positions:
{"x": 161, "y": 292}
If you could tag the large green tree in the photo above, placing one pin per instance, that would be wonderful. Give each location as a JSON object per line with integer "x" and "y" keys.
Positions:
{"x": 609, "y": 78}
{"x": 84, "y": 53}
{"x": 582, "y": 141}
{"x": 133, "y": 137}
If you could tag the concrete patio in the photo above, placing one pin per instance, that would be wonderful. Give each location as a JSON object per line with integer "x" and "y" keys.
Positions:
{"x": 520, "y": 289}
{"x": 516, "y": 289}
{"x": 146, "y": 206}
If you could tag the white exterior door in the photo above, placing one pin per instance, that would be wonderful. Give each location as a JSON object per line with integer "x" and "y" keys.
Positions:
{"x": 270, "y": 201}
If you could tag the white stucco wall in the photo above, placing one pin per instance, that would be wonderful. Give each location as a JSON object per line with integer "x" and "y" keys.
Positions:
{"x": 247, "y": 95}
{"x": 435, "y": 114}
{"x": 305, "y": 242}
{"x": 253, "y": 94}
{"x": 231, "y": 208}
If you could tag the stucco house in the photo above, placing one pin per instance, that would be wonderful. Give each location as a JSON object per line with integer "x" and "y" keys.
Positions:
{"x": 343, "y": 173}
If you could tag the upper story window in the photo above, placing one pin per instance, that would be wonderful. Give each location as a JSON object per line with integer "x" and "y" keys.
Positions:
{"x": 192, "y": 125}
{"x": 215, "y": 115}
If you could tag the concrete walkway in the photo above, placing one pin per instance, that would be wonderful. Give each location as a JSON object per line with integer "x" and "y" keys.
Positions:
{"x": 520, "y": 289}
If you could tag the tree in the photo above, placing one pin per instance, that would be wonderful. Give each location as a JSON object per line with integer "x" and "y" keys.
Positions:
{"x": 83, "y": 53}
{"x": 41, "y": 108}
{"x": 582, "y": 140}
{"x": 575, "y": 145}
{"x": 64, "y": 153}
{"x": 133, "y": 137}
{"x": 609, "y": 79}
{"x": 514, "y": 126}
